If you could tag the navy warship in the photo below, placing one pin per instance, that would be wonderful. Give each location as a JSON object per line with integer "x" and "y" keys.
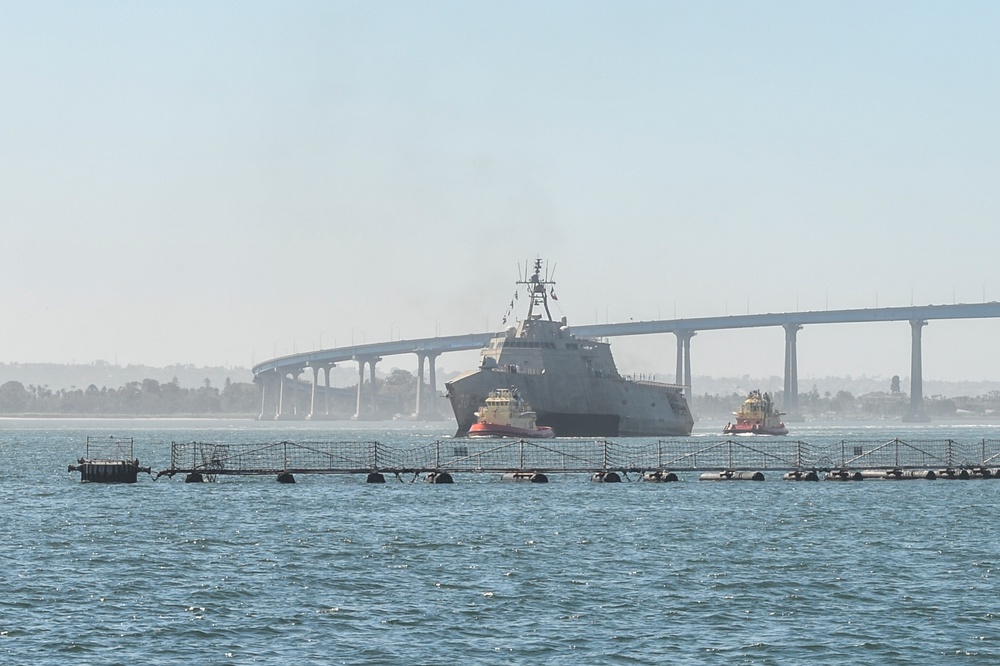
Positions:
{"x": 572, "y": 383}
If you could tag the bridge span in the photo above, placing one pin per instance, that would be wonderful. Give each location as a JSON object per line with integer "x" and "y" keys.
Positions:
{"x": 279, "y": 377}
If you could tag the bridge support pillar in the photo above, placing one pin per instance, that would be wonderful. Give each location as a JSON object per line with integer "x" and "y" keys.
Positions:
{"x": 288, "y": 405}
{"x": 270, "y": 392}
{"x": 683, "y": 374}
{"x": 326, "y": 394}
{"x": 422, "y": 400}
{"x": 374, "y": 391}
{"x": 421, "y": 357}
{"x": 791, "y": 373}
{"x": 281, "y": 397}
{"x": 312, "y": 396}
{"x": 325, "y": 367}
{"x": 361, "y": 386}
{"x": 372, "y": 406}
{"x": 916, "y": 413}
{"x": 295, "y": 391}
{"x": 432, "y": 379}
{"x": 263, "y": 395}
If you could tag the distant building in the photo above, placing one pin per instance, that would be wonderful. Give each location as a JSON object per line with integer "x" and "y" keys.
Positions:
{"x": 881, "y": 403}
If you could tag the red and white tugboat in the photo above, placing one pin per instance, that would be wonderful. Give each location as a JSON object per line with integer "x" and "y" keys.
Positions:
{"x": 505, "y": 414}
{"x": 758, "y": 416}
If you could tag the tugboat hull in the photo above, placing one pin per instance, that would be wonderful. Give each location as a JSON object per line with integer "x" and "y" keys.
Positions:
{"x": 500, "y": 430}
{"x": 774, "y": 430}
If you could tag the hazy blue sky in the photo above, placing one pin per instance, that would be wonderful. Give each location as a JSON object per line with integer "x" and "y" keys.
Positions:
{"x": 222, "y": 182}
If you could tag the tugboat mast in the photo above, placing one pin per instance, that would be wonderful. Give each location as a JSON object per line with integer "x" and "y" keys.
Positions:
{"x": 537, "y": 291}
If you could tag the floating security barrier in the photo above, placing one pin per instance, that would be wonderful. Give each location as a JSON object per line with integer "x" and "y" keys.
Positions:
{"x": 843, "y": 460}
{"x": 731, "y": 475}
{"x": 899, "y": 474}
{"x": 108, "y": 471}
{"x": 438, "y": 477}
{"x": 606, "y": 477}
{"x": 960, "y": 474}
{"x": 985, "y": 473}
{"x": 659, "y": 476}
{"x": 109, "y": 460}
{"x": 843, "y": 475}
{"x": 801, "y": 475}
{"x": 375, "y": 477}
{"x": 286, "y": 477}
{"x": 525, "y": 477}
{"x": 874, "y": 473}
{"x": 194, "y": 477}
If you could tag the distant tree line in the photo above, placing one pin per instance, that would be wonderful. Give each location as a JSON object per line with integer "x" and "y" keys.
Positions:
{"x": 397, "y": 395}
{"x": 146, "y": 398}
{"x": 845, "y": 405}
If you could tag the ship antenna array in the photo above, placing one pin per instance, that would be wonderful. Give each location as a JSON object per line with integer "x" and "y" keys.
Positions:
{"x": 537, "y": 288}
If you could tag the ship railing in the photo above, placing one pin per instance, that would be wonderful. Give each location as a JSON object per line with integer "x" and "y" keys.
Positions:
{"x": 648, "y": 382}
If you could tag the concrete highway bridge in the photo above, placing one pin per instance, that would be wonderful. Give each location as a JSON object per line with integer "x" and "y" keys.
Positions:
{"x": 279, "y": 377}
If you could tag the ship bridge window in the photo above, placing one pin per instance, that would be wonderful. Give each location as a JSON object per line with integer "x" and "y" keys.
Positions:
{"x": 530, "y": 344}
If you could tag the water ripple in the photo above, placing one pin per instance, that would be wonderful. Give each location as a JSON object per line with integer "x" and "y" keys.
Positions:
{"x": 333, "y": 571}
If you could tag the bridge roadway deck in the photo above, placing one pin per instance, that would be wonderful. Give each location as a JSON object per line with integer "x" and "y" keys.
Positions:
{"x": 471, "y": 341}
{"x": 578, "y": 456}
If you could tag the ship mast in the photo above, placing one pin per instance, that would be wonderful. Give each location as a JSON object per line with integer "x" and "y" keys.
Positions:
{"x": 537, "y": 291}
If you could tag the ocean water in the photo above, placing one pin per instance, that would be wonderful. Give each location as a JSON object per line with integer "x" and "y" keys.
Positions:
{"x": 332, "y": 570}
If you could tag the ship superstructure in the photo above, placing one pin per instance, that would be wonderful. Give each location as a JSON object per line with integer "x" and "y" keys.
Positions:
{"x": 572, "y": 383}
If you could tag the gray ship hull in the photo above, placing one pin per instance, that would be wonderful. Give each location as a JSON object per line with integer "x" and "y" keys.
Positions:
{"x": 576, "y": 405}
{"x": 571, "y": 383}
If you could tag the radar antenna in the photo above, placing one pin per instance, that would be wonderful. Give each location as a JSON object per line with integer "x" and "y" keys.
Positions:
{"x": 537, "y": 291}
